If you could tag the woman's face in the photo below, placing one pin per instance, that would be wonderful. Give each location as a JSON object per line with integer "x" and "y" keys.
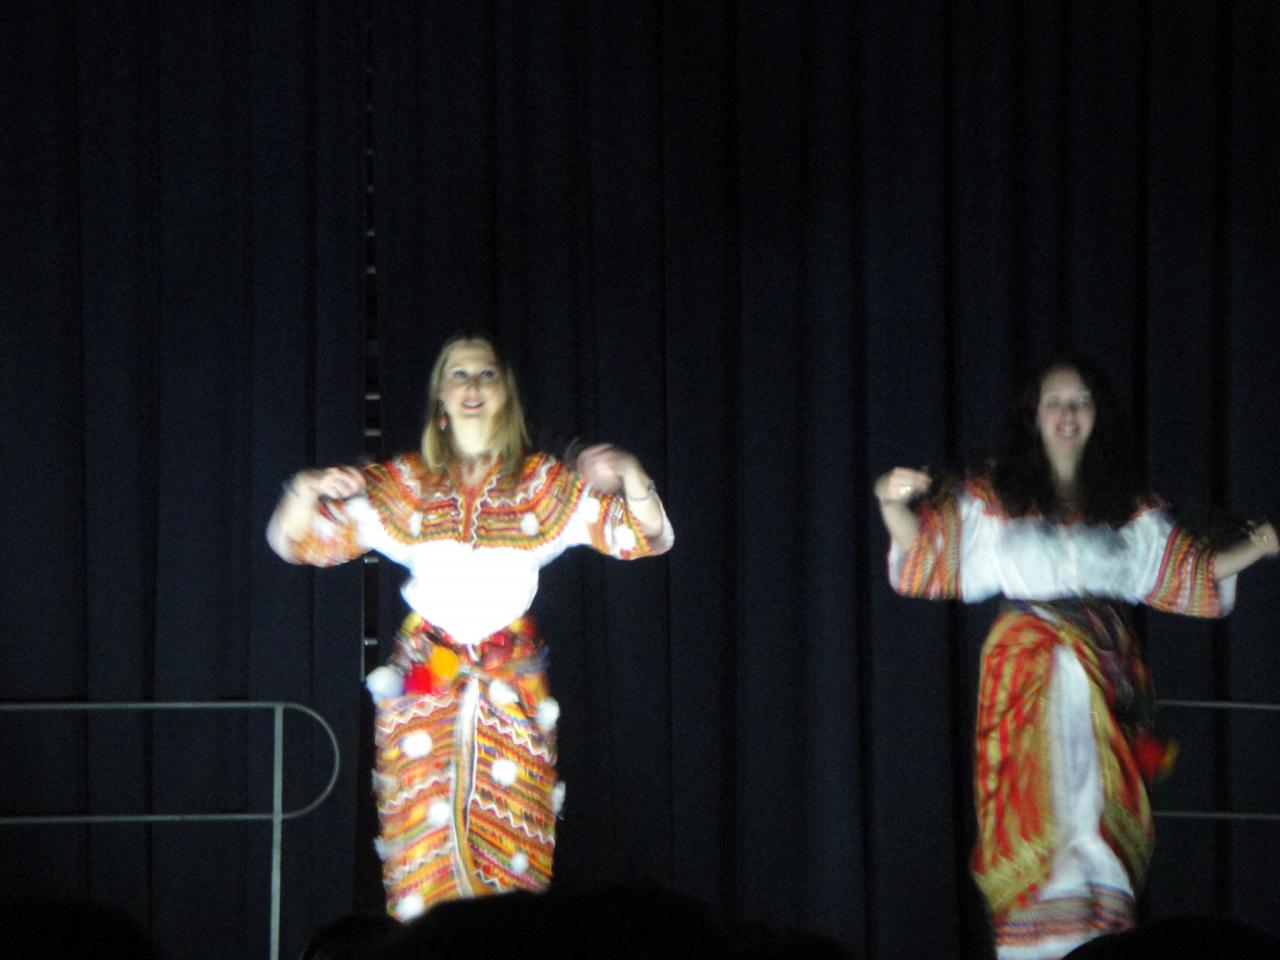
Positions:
{"x": 472, "y": 389}
{"x": 1065, "y": 414}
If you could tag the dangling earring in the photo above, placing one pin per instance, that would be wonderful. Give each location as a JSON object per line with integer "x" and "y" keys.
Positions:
{"x": 442, "y": 421}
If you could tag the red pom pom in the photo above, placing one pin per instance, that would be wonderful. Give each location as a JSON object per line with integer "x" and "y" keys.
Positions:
{"x": 434, "y": 676}
{"x": 419, "y": 680}
{"x": 1153, "y": 755}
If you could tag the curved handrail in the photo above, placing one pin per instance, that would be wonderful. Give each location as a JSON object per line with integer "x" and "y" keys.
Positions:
{"x": 87, "y": 706}
{"x": 277, "y": 816}
{"x": 1218, "y": 814}
{"x": 1221, "y": 705}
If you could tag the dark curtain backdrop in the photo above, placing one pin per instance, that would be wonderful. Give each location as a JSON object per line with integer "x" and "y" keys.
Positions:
{"x": 774, "y": 249}
{"x": 183, "y": 252}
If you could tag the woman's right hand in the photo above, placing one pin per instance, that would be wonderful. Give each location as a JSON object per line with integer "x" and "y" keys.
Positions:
{"x": 293, "y": 514}
{"x": 902, "y": 485}
{"x": 336, "y": 483}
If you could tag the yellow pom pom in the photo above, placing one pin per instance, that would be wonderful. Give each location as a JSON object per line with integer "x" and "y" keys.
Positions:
{"x": 444, "y": 664}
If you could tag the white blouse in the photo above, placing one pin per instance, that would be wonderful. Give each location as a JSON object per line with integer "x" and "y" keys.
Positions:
{"x": 1029, "y": 558}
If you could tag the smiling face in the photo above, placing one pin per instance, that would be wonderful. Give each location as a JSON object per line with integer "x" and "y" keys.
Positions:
{"x": 471, "y": 387}
{"x": 1064, "y": 416}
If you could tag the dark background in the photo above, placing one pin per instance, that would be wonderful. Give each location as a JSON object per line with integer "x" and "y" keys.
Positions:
{"x": 773, "y": 248}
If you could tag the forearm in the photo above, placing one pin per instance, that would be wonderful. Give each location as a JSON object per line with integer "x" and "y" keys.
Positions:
{"x": 1234, "y": 560}
{"x": 642, "y": 500}
{"x": 895, "y": 491}
{"x": 292, "y": 518}
{"x": 900, "y": 520}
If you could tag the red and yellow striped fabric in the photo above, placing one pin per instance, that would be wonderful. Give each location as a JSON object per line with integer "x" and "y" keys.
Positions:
{"x": 931, "y": 566}
{"x": 1186, "y": 583}
{"x": 1012, "y": 776}
{"x": 1067, "y": 919}
{"x": 465, "y": 774}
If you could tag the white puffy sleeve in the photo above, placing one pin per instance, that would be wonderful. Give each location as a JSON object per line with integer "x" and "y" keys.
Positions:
{"x": 954, "y": 553}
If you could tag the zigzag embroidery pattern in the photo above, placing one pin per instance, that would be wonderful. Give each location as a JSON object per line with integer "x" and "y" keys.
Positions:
{"x": 416, "y": 506}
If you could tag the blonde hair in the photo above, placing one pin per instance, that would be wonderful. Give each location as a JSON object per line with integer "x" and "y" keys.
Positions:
{"x": 509, "y": 430}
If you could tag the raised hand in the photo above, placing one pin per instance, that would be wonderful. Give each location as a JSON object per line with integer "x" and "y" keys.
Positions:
{"x": 607, "y": 467}
{"x": 336, "y": 483}
{"x": 902, "y": 485}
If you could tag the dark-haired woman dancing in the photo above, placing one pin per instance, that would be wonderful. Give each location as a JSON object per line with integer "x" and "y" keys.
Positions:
{"x": 1064, "y": 750}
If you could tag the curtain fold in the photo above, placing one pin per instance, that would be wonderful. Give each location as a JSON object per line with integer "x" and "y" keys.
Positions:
{"x": 183, "y": 208}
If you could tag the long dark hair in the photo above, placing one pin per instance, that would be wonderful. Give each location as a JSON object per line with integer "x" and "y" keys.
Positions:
{"x": 1108, "y": 491}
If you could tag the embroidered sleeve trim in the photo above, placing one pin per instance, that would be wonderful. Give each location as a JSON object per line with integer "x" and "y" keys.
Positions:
{"x": 1185, "y": 583}
{"x": 980, "y": 488}
{"x": 931, "y": 565}
{"x": 330, "y": 540}
{"x": 614, "y": 530}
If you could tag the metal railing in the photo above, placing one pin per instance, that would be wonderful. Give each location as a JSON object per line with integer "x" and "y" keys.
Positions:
{"x": 1217, "y": 814}
{"x": 277, "y": 816}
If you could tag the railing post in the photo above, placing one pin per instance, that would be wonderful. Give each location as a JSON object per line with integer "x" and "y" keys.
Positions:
{"x": 277, "y": 816}
{"x": 277, "y": 825}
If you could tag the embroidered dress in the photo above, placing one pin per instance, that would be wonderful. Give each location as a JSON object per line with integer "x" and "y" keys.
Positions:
{"x": 465, "y": 728}
{"x": 1063, "y": 745}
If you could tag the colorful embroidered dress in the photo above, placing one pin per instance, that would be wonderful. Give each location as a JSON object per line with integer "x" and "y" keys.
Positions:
{"x": 465, "y": 729}
{"x": 1064, "y": 750}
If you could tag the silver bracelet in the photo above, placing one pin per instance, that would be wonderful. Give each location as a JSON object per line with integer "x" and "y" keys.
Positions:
{"x": 648, "y": 493}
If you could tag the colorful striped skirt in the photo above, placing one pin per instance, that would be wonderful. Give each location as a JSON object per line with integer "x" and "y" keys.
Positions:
{"x": 465, "y": 767}
{"x": 1063, "y": 757}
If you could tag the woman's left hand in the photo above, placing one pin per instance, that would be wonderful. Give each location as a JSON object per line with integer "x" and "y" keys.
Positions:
{"x": 608, "y": 468}
{"x": 1260, "y": 544}
{"x": 1264, "y": 535}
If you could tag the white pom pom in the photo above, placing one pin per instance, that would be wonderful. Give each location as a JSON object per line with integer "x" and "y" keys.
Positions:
{"x": 501, "y": 693}
{"x": 380, "y": 848}
{"x": 417, "y": 744}
{"x": 557, "y": 797}
{"x": 548, "y": 714}
{"x": 438, "y": 813}
{"x": 625, "y": 539}
{"x": 385, "y": 683}
{"x": 529, "y": 525}
{"x": 519, "y": 862}
{"x": 504, "y": 772}
{"x": 409, "y": 907}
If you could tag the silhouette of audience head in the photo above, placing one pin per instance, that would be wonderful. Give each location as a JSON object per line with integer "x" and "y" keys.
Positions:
{"x": 1183, "y": 938}
{"x": 624, "y": 922}
{"x": 54, "y": 927}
